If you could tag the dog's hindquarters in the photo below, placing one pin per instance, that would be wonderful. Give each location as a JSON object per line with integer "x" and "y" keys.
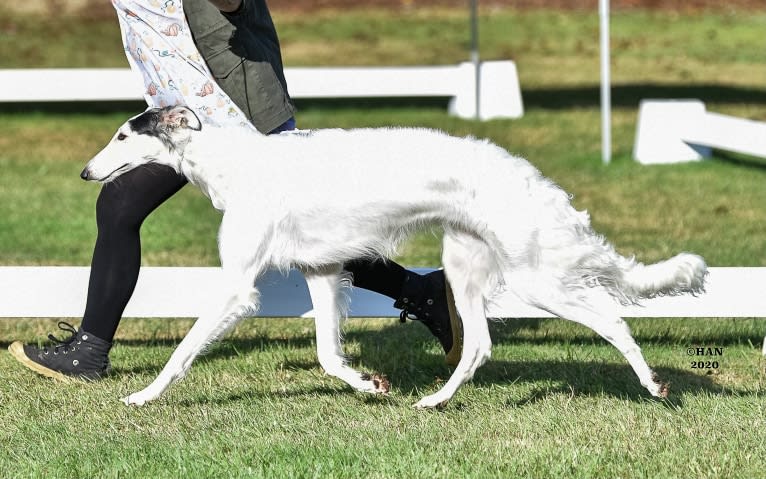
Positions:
{"x": 552, "y": 259}
{"x": 550, "y": 234}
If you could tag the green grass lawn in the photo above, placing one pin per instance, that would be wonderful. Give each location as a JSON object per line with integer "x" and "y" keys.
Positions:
{"x": 554, "y": 401}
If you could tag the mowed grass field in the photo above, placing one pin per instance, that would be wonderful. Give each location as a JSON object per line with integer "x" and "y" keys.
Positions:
{"x": 554, "y": 401}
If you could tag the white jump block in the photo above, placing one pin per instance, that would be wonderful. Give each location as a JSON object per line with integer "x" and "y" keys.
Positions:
{"x": 729, "y": 133}
{"x": 182, "y": 292}
{"x": 675, "y": 131}
{"x": 500, "y": 91}
{"x": 662, "y": 125}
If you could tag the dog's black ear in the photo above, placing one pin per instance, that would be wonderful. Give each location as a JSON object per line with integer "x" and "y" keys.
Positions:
{"x": 180, "y": 117}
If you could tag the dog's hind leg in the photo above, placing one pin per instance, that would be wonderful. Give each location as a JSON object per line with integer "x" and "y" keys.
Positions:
{"x": 471, "y": 270}
{"x": 615, "y": 330}
{"x": 325, "y": 287}
{"x": 597, "y": 311}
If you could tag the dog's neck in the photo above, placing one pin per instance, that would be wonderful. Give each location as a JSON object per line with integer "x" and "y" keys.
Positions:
{"x": 203, "y": 157}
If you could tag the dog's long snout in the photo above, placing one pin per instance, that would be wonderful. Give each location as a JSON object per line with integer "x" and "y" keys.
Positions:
{"x": 85, "y": 174}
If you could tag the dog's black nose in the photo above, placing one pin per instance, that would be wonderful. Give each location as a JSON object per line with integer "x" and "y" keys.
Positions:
{"x": 85, "y": 175}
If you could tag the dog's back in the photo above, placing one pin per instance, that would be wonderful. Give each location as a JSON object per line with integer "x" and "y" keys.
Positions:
{"x": 382, "y": 182}
{"x": 343, "y": 168}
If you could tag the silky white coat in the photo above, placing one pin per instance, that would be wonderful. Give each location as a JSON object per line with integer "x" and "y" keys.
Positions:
{"x": 316, "y": 200}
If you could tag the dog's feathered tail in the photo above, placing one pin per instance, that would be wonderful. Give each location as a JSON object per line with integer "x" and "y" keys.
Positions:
{"x": 630, "y": 281}
{"x": 683, "y": 273}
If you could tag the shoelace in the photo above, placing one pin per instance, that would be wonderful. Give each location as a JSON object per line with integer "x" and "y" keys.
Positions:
{"x": 423, "y": 318}
{"x": 62, "y": 344}
{"x": 403, "y": 315}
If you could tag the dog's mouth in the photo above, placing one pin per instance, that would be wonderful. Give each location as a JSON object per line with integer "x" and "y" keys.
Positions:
{"x": 114, "y": 174}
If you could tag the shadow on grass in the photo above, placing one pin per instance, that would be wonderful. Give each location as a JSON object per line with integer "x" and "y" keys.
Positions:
{"x": 404, "y": 354}
{"x": 502, "y": 332}
{"x": 248, "y": 395}
{"x": 630, "y": 95}
{"x": 575, "y": 376}
{"x": 509, "y": 332}
{"x": 744, "y": 161}
{"x": 230, "y": 346}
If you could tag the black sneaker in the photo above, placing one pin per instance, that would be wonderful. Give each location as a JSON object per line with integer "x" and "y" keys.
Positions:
{"x": 429, "y": 300}
{"x": 81, "y": 356}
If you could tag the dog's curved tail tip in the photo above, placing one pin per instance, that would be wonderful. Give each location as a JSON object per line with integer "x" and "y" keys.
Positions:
{"x": 683, "y": 273}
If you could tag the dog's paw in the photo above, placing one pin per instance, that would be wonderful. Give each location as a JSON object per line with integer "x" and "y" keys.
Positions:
{"x": 658, "y": 388}
{"x": 379, "y": 383}
{"x": 664, "y": 389}
{"x": 434, "y": 401}
{"x": 133, "y": 400}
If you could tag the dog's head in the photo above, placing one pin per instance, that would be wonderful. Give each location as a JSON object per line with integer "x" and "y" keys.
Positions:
{"x": 158, "y": 135}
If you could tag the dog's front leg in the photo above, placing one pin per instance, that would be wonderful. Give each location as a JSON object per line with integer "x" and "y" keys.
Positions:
{"x": 207, "y": 329}
{"x": 329, "y": 307}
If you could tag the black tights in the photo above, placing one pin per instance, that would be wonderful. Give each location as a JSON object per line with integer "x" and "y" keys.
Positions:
{"x": 122, "y": 207}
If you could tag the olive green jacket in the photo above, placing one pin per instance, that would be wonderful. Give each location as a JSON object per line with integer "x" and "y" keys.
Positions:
{"x": 242, "y": 51}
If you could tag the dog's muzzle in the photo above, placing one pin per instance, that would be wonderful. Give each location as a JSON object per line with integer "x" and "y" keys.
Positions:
{"x": 85, "y": 174}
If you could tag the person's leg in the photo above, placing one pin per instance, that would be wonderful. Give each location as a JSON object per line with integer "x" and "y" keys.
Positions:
{"x": 383, "y": 277}
{"x": 425, "y": 298}
{"x": 121, "y": 208}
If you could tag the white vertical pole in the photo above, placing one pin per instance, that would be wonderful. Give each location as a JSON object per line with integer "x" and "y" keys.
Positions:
{"x": 606, "y": 99}
{"x": 475, "y": 56}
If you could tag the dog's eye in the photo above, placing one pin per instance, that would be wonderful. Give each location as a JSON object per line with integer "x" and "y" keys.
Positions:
{"x": 121, "y": 136}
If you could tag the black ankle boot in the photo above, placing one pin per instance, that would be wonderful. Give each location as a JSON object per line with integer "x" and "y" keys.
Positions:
{"x": 81, "y": 356}
{"x": 428, "y": 299}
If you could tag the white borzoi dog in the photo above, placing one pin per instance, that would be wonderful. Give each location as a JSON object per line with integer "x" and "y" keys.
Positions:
{"x": 316, "y": 200}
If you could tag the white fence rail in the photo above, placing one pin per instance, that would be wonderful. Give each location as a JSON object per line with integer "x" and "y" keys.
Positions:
{"x": 500, "y": 91}
{"x": 60, "y": 291}
{"x": 179, "y": 292}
